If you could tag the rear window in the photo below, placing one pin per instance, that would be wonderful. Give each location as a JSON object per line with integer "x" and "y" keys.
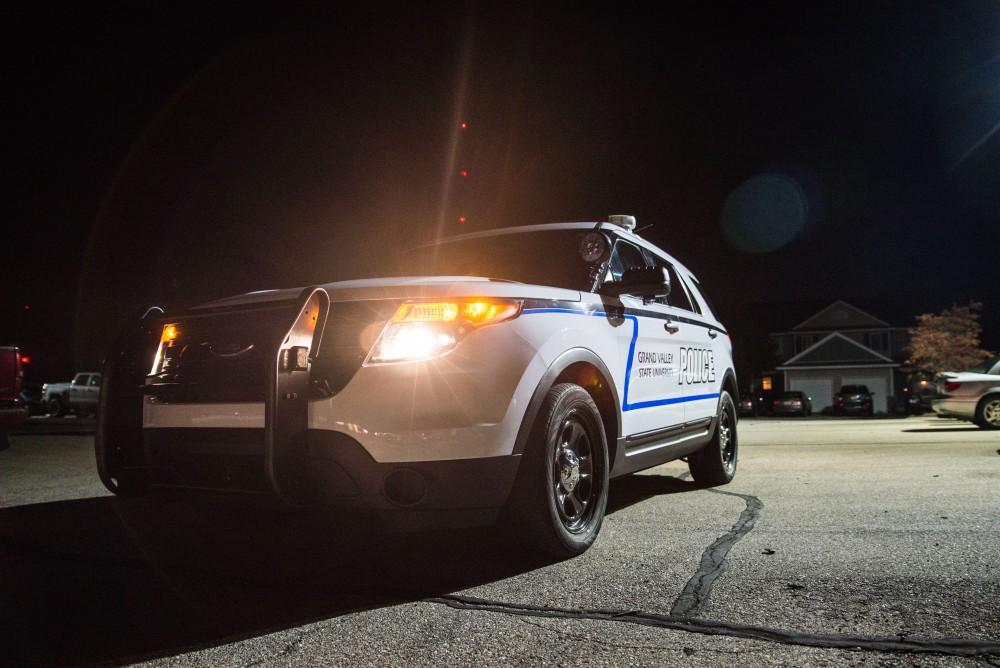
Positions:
{"x": 790, "y": 395}
{"x": 984, "y": 367}
{"x": 854, "y": 389}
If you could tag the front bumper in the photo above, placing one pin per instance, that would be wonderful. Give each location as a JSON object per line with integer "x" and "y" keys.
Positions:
{"x": 853, "y": 409}
{"x": 341, "y": 473}
{"x": 11, "y": 416}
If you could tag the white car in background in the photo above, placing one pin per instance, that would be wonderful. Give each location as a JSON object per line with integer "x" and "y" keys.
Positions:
{"x": 971, "y": 395}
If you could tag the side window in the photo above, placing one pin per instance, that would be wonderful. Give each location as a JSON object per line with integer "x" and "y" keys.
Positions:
{"x": 704, "y": 297}
{"x": 81, "y": 379}
{"x": 625, "y": 256}
{"x": 678, "y": 291}
{"x": 95, "y": 380}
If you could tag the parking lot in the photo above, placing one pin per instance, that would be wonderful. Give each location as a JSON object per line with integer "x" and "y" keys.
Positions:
{"x": 862, "y": 542}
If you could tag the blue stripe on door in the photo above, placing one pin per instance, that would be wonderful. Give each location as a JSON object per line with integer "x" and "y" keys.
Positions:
{"x": 626, "y": 406}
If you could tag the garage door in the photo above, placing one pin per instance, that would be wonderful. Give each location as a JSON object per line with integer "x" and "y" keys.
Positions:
{"x": 878, "y": 384}
{"x": 820, "y": 390}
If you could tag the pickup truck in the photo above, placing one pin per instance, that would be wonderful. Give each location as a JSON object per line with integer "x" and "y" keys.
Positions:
{"x": 80, "y": 394}
{"x": 12, "y": 410}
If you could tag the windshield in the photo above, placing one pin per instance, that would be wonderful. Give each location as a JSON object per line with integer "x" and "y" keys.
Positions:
{"x": 984, "y": 367}
{"x": 550, "y": 257}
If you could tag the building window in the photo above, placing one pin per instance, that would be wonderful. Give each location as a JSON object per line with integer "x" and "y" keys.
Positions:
{"x": 877, "y": 341}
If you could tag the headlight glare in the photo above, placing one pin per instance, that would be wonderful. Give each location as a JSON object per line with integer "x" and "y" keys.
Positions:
{"x": 411, "y": 341}
{"x": 424, "y": 330}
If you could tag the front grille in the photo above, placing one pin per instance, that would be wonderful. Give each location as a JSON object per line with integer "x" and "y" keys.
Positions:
{"x": 220, "y": 357}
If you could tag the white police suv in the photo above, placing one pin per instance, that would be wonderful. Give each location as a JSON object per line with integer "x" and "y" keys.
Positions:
{"x": 509, "y": 377}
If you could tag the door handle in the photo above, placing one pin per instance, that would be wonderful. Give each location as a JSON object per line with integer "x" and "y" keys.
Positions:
{"x": 712, "y": 333}
{"x": 671, "y": 329}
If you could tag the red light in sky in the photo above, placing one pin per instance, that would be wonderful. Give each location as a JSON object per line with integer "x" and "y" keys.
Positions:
{"x": 27, "y": 308}
{"x": 461, "y": 219}
{"x": 464, "y": 125}
{"x": 464, "y": 173}
{"x": 25, "y": 359}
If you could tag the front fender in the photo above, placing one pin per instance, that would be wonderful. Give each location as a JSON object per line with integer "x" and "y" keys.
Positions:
{"x": 557, "y": 367}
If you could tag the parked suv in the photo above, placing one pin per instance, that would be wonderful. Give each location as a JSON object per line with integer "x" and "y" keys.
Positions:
{"x": 12, "y": 409}
{"x": 506, "y": 374}
{"x": 853, "y": 400}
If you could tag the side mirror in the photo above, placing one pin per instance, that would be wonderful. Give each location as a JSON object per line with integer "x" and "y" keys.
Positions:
{"x": 645, "y": 283}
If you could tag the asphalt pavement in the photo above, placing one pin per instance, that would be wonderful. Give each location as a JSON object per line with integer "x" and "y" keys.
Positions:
{"x": 841, "y": 542}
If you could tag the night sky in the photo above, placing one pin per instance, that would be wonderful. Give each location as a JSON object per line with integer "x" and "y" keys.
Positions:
{"x": 788, "y": 154}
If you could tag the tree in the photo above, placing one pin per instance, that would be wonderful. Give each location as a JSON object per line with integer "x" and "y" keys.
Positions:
{"x": 948, "y": 341}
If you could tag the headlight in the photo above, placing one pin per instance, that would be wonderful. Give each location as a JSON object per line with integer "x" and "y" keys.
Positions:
{"x": 167, "y": 338}
{"x": 423, "y": 330}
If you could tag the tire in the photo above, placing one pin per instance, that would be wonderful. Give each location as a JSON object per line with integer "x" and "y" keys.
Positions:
{"x": 988, "y": 412}
{"x": 715, "y": 464}
{"x": 56, "y": 407}
{"x": 130, "y": 484}
{"x": 561, "y": 492}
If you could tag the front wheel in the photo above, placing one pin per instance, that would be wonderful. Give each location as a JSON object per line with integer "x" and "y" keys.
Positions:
{"x": 988, "y": 412}
{"x": 715, "y": 464}
{"x": 558, "y": 503}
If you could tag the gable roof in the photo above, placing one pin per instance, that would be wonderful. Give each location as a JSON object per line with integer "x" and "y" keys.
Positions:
{"x": 837, "y": 350}
{"x": 840, "y": 315}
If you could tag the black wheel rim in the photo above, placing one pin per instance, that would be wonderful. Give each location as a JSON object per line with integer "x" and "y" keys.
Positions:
{"x": 727, "y": 438}
{"x": 575, "y": 479}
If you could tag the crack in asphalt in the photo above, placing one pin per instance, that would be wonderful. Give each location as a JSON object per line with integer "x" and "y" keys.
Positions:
{"x": 692, "y": 599}
{"x": 576, "y": 637}
{"x": 695, "y": 595}
{"x": 897, "y": 644}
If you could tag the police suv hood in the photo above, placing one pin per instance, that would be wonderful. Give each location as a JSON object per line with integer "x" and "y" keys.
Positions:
{"x": 407, "y": 287}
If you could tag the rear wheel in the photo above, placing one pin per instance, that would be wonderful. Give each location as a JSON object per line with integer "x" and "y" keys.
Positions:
{"x": 988, "y": 412}
{"x": 558, "y": 503}
{"x": 715, "y": 464}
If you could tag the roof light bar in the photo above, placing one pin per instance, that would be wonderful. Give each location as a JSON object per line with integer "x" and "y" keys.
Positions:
{"x": 623, "y": 221}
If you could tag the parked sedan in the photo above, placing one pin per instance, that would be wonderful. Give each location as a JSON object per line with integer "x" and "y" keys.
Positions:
{"x": 853, "y": 400}
{"x": 792, "y": 403}
{"x": 971, "y": 395}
